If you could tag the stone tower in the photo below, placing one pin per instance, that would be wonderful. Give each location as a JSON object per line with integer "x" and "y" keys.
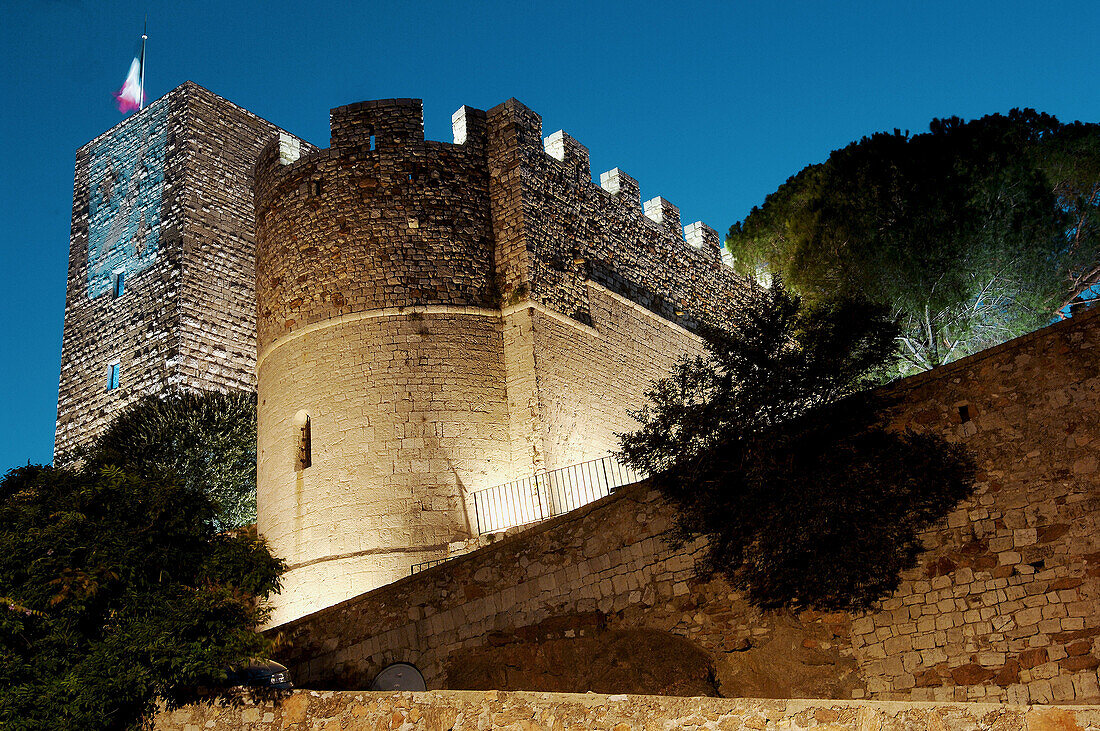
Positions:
{"x": 437, "y": 318}
{"x": 380, "y": 368}
{"x": 161, "y": 264}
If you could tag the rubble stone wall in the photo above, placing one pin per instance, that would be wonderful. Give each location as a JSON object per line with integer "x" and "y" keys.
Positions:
{"x": 563, "y": 243}
{"x": 398, "y": 309}
{"x": 164, "y": 198}
{"x": 1003, "y": 606}
{"x": 493, "y": 710}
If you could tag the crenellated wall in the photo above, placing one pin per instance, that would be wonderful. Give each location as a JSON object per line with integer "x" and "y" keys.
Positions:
{"x": 448, "y": 317}
{"x": 379, "y": 219}
{"x": 599, "y": 292}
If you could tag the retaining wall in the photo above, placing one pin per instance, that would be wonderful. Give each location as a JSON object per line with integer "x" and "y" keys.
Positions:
{"x": 467, "y": 711}
{"x": 1003, "y": 606}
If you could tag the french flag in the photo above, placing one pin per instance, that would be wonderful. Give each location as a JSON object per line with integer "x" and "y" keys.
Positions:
{"x": 131, "y": 97}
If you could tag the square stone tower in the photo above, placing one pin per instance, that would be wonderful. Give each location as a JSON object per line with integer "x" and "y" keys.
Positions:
{"x": 161, "y": 283}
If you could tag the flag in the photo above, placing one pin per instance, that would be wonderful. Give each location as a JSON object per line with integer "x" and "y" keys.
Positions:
{"x": 131, "y": 96}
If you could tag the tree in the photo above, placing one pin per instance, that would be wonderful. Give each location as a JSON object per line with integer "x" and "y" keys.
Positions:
{"x": 972, "y": 233}
{"x": 119, "y": 591}
{"x": 769, "y": 445}
{"x": 206, "y": 440}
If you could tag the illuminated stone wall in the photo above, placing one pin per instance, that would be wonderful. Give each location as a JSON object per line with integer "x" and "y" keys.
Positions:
{"x": 449, "y": 317}
{"x": 377, "y": 320}
{"x": 603, "y": 289}
{"x": 1004, "y": 605}
{"x": 164, "y": 199}
{"x": 410, "y": 415}
{"x": 496, "y": 711}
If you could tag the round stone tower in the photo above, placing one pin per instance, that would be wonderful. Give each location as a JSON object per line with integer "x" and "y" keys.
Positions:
{"x": 380, "y": 362}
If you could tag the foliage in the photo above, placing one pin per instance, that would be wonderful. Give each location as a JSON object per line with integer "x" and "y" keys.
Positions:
{"x": 972, "y": 233}
{"x": 119, "y": 591}
{"x": 770, "y": 446}
{"x": 205, "y": 440}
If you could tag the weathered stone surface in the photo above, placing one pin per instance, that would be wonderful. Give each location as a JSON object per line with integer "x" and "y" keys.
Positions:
{"x": 165, "y": 199}
{"x": 449, "y": 317}
{"x": 965, "y": 633}
{"x": 646, "y": 662}
{"x": 503, "y": 711}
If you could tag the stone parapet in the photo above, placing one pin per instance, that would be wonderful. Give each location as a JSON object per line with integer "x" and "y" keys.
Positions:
{"x": 517, "y": 711}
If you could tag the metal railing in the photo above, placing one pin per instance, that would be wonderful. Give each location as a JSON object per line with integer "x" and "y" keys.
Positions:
{"x": 547, "y": 494}
{"x": 416, "y": 568}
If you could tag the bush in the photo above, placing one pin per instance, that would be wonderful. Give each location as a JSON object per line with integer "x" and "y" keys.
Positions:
{"x": 120, "y": 591}
{"x": 769, "y": 445}
{"x": 205, "y": 440}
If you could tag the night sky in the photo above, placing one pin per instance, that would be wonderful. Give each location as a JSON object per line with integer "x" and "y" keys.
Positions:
{"x": 711, "y": 105}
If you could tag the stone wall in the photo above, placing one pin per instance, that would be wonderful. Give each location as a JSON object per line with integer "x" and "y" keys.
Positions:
{"x": 377, "y": 320}
{"x": 164, "y": 199}
{"x": 589, "y": 376}
{"x": 496, "y": 711}
{"x": 406, "y": 306}
{"x": 379, "y": 219}
{"x": 1003, "y": 606}
{"x": 409, "y": 415}
{"x": 563, "y": 244}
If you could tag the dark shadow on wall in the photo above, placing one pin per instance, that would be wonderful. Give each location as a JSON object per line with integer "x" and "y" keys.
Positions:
{"x": 605, "y": 275}
{"x": 639, "y": 661}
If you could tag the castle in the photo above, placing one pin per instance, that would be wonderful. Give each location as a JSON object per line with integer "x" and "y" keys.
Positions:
{"x": 429, "y": 318}
{"x": 424, "y": 321}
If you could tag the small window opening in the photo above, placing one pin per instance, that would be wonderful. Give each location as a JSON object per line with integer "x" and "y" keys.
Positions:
{"x": 371, "y": 143}
{"x": 964, "y": 413}
{"x": 113, "y": 376}
{"x": 316, "y": 187}
{"x": 305, "y": 441}
{"x": 410, "y": 177}
{"x": 120, "y": 284}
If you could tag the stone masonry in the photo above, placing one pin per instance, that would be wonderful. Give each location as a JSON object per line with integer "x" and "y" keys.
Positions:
{"x": 496, "y": 711}
{"x": 1003, "y": 606}
{"x": 445, "y": 317}
{"x": 163, "y": 199}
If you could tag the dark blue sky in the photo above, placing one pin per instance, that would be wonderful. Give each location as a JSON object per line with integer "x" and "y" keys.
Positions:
{"x": 711, "y": 105}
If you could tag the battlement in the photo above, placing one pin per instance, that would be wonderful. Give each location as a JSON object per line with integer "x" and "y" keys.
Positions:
{"x": 565, "y": 149}
{"x": 524, "y": 126}
{"x": 468, "y": 125}
{"x": 378, "y": 123}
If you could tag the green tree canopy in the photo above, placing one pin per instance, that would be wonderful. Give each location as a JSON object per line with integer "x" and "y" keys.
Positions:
{"x": 971, "y": 233}
{"x": 769, "y": 445}
{"x": 118, "y": 591}
{"x": 205, "y": 440}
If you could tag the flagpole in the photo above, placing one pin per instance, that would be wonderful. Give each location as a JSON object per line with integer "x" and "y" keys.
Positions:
{"x": 141, "y": 93}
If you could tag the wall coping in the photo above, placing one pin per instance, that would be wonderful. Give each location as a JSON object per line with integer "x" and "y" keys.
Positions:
{"x": 501, "y": 709}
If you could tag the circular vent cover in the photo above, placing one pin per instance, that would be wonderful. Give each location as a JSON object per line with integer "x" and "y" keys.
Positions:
{"x": 399, "y": 676}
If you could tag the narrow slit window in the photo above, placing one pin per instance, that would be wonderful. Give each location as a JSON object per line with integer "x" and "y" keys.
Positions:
{"x": 964, "y": 413}
{"x": 317, "y": 187}
{"x": 113, "y": 373}
{"x": 371, "y": 143}
{"x": 120, "y": 284}
{"x": 305, "y": 443}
